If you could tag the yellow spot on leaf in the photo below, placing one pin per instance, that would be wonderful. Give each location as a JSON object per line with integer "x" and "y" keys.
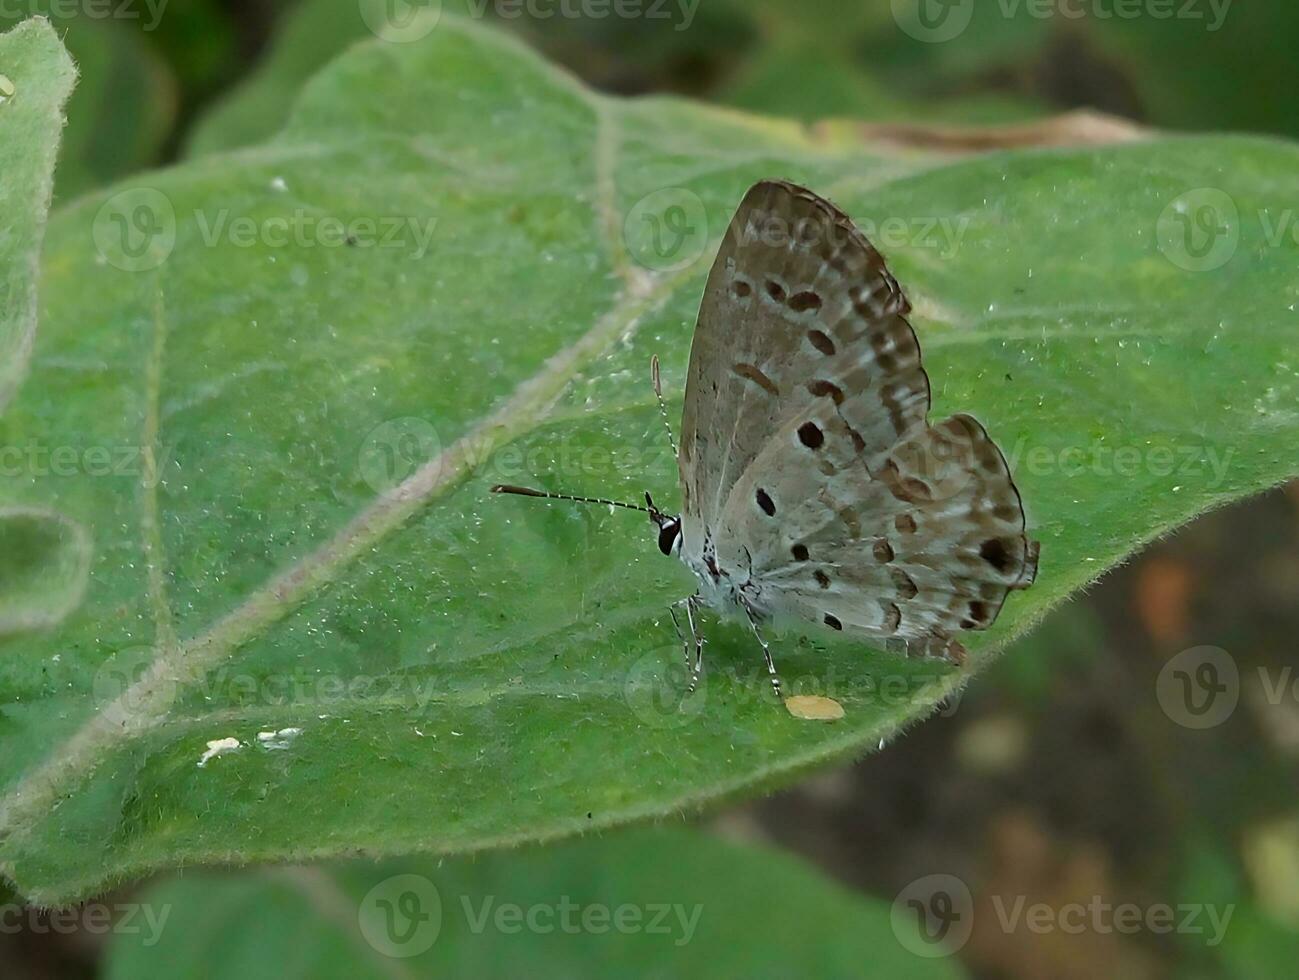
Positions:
{"x": 811, "y": 707}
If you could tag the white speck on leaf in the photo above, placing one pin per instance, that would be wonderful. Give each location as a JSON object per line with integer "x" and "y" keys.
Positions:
{"x": 274, "y": 741}
{"x": 219, "y": 746}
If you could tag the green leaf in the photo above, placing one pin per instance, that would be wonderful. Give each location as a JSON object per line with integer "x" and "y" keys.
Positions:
{"x": 296, "y": 538}
{"x": 611, "y": 907}
{"x": 36, "y": 76}
{"x": 307, "y": 38}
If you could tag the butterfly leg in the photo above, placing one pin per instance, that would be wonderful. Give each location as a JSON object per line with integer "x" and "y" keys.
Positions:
{"x": 676, "y": 625}
{"x": 695, "y": 664}
{"x": 766, "y": 652}
{"x": 691, "y": 604}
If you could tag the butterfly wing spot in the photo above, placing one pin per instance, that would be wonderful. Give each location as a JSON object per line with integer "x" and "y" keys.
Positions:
{"x": 904, "y": 584}
{"x": 810, "y": 435}
{"x": 879, "y": 299}
{"x": 825, "y": 389}
{"x": 979, "y": 617}
{"x": 805, "y": 301}
{"x": 775, "y": 290}
{"x": 995, "y": 553}
{"x": 751, "y": 372}
{"x": 851, "y": 521}
{"x": 767, "y": 505}
{"x": 904, "y": 524}
{"x": 908, "y": 489}
{"x": 741, "y": 287}
{"x": 800, "y": 552}
{"x": 822, "y": 342}
{"x": 833, "y": 622}
{"x": 822, "y": 579}
{"x": 883, "y": 551}
{"x": 892, "y": 617}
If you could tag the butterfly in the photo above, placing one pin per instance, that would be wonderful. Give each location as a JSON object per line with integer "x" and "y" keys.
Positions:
{"x": 815, "y": 491}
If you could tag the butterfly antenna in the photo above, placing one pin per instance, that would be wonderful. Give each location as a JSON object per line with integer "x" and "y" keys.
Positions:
{"x": 663, "y": 409}
{"x": 528, "y": 492}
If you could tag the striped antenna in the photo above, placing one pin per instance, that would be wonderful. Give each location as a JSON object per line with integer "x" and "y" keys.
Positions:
{"x": 663, "y": 409}
{"x": 528, "y": 492}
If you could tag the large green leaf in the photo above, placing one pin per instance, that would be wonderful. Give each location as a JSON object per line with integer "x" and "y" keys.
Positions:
{"x": 298, "y": 533}
{"x": 636, "y": 904}
{"x": 36, "y": 77}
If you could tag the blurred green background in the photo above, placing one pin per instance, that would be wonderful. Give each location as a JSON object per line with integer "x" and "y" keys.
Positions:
{"x": 1057, "y": 776}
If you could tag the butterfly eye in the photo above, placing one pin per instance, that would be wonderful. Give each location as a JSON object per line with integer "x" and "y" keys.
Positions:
{"x": 668, "y": 533}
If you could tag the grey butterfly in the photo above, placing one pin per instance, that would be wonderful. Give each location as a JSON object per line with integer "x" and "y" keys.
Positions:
{"x": 815, "y": 490}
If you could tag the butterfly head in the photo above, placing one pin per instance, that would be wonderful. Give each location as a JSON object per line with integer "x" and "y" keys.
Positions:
{"x": 669, "y": 527}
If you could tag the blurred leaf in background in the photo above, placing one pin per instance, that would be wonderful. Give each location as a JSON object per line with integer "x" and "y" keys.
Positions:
{"x": 636, "y": 904}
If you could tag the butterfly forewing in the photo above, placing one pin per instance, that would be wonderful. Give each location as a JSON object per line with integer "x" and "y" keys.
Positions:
{"x": 808, "y": 466}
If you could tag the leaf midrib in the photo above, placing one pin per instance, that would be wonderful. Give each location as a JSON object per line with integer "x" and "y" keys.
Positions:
{"x": 146, "y": 702}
